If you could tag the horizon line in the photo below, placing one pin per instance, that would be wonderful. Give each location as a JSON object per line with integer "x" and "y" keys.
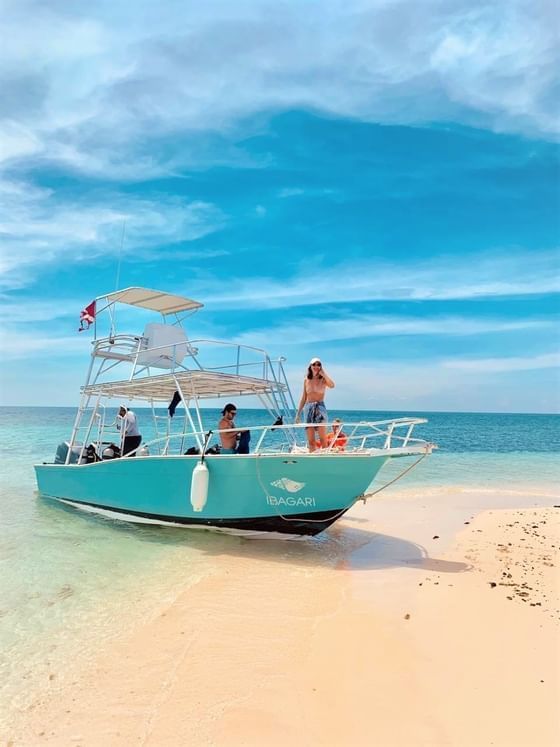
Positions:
{"x": 344, "y": 409}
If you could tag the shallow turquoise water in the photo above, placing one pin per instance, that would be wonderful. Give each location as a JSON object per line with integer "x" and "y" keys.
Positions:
{"x": 69, "y": 580}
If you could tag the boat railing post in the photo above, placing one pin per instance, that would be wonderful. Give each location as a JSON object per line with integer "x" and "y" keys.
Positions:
{"x": 136, "y": 354}
{"x": 285, "y": 379}
{"x": 76, "y": 426}
{"x": 100, "y": 425}
{"x": 92, "y": 361}
{"x": 278, "y": 395}
{"x": 182, "y": 446}
{"x": 238, "y": 360}
{"x": 387, "y": 444}
{"x": 408, "y": 435}
{"x": 261, "y": 439}
{"x": 188, "y": 416}
{"x": 88, "y": 429}
{"x": 167, "y": 434}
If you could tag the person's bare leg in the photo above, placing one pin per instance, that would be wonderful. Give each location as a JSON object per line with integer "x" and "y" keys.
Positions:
{"x": 322, "y": 430}
{"x": 311, "y": 438}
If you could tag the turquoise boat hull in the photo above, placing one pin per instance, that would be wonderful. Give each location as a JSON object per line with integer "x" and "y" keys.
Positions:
{"x": 286, "y": 494}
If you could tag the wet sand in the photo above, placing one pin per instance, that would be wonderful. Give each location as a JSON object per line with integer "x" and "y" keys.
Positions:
{"x": 414, "y": 621}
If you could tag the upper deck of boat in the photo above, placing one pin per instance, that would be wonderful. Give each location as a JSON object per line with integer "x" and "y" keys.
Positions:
{"x": 199, "y": 384}
{"x": 161, "y": 360}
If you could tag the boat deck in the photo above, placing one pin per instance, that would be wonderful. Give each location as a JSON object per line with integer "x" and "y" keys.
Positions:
{"x": 198, "y": 384}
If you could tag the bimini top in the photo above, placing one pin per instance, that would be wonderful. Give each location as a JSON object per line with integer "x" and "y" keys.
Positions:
{"x": 165, "y": 303}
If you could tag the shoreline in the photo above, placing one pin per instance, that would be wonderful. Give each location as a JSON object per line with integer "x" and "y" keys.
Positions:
{"x": 280, "y": 642}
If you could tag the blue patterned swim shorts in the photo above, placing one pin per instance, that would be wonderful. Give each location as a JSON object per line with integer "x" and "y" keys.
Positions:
{"x": 315, "y": 412}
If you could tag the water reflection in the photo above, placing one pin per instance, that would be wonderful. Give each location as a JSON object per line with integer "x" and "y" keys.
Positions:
{"x": 336, "y": 548}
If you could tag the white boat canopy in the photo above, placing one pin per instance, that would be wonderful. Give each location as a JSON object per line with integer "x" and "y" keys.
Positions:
{"x": 199, "y": 384}
{"x": 164, "y": 303}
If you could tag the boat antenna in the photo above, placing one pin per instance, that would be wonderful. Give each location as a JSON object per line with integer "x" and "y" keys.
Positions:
{"x": 120, "y": 256}
{"x": 117, "y": 279}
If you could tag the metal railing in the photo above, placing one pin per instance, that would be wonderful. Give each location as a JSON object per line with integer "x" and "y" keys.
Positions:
{"x": 129, "y": 348}
{"x": 358, "y": 441}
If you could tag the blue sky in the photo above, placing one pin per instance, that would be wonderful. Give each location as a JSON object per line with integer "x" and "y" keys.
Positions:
{"x": 375, "y": 183}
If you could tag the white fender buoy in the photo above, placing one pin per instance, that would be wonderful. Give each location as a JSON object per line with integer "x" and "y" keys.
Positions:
{"x": 199, "y": 486}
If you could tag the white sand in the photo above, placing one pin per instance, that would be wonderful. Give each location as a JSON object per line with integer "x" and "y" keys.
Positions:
{"x": 380, "y": 644}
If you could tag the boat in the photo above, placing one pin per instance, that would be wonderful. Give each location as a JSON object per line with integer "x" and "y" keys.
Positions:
{"x": 178, "y": 476}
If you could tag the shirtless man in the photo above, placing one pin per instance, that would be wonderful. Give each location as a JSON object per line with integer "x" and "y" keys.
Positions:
{"x": 228, "y": 440}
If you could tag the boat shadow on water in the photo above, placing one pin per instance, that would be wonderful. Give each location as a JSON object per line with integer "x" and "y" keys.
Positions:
{"x": 342, "y": 547}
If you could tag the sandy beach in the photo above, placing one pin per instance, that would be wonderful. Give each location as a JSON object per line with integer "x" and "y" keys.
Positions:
{"x": 427, "y": 622}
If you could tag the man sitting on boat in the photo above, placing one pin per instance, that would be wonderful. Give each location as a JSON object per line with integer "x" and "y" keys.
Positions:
{"x": 233, "y": 442}
{"x": 128, "y": 426}
{"x": 228, "y": 440}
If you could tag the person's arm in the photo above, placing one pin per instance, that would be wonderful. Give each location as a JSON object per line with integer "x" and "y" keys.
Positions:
{"x": 327, "y": 379}
{"x": 301, "y": 403}
{"x": 127, "y": 424}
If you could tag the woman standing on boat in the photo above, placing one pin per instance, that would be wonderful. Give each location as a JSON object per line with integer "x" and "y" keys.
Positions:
{"x": 312, "y": 399}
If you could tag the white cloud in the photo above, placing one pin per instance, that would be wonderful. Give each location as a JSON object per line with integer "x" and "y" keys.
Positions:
{"x": 15, "y": 312}
{"x": 17, "y": 141}
{"x": 16, "y": 345}
{"x": 38, "y": 230}
{"x": 502, "y": 59}
{"x": 496, "y": 365}
{"x": 444, "y": 278}
{"x": 427, "y": 385}
{"x": 349, "y": 326}
{"x": 89, "y": 87}
{"x": 291, "y": 192}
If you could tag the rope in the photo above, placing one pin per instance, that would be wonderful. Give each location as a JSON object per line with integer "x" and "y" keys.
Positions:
{"x": 364, "y": 496}
{"x": 398, "y": 477}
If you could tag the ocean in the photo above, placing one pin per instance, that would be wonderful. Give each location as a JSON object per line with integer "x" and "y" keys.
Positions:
{"x": 71, "y": 581}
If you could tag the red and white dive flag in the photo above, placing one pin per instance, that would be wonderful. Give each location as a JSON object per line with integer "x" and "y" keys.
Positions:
{"x": 87, "y": 317}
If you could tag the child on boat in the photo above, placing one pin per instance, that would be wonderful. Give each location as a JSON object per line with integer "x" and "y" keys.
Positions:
{"x": 336, "y": 438}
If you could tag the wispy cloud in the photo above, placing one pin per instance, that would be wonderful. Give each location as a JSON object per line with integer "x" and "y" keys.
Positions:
{"x": 307, "y": 192}
{"x": 31, "y": 311}
{"x": 291, "y": 192}
{"x": 428, "y": 385}
{"x": 495, "y": 365}
{"x": 351, "y": 326}
{"x": 488, "y": 275}
{"x": 38, "y": 229}
{"x": 16, "y": 345}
